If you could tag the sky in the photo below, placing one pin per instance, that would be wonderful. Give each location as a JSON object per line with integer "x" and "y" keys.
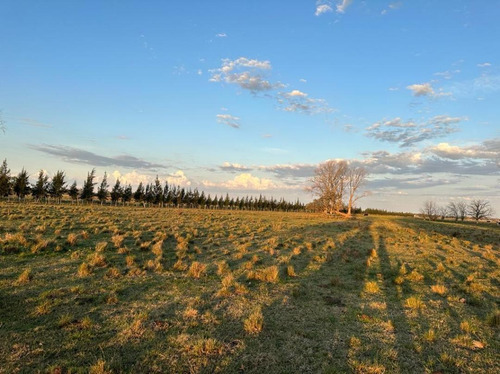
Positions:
{"x": 248, "y": 97}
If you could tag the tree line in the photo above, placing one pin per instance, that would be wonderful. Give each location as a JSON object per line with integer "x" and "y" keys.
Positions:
{"x": 476, "y": 209}
{"x": 150, "y": 194}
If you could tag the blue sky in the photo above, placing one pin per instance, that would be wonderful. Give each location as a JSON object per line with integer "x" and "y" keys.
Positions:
{"x": 247, "y": 97}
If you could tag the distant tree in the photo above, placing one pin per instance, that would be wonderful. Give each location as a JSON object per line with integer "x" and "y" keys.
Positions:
{"x": 453, "y": 210}
{"x": 41, "y": 188}
{"x": 127, "y": 194}
{"x": 102, "y": 190}
{"x": 442, "y": 212}
{"x": 328, "y": 184}
{"x": 355, "y": 177}
{"x": 462, "y": 210}
{"x": 116, "y": 192}
{"x": 479, "y": 209}
{"x": 21, "y": 184}
{"x": 139, "y": 193}
{"x": 157, "y": 192}
{"x": 429, "y": 210}
{"x": 5, "y": 181}
{"x": 57, "y": 186}
{"x": 73, "y": 192}
{"x": 87, "y": 192}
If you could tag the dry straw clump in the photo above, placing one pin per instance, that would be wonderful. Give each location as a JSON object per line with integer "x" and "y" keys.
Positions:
{"x": 197, "y": 269}
{"x": 269, "y": 274}
{"x": 25, "y": 277}
{"x": 253, "y": 324}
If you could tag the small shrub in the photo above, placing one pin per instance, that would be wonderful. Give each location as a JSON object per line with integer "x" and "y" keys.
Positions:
{"x": 253, "y": 324}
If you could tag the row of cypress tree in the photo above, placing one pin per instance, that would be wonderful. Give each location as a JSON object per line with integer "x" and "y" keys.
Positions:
{"x": 151, "y": 194}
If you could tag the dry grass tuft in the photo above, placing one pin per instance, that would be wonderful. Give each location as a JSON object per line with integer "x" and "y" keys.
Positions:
{"x": 97, "y": 259}
{"x": 493, "y": 319}
{"x": 269, "y": 274}
{"x": 439, "y": 289}
{"x": 101, "y": 246}
{"x": 84, "y": 270}
{"x": 25, "y": 277}
{"x": 414, "y": 303}
{"x": 117, "y": 240}
{"x": 371, "y": 287}
{"x": 290, "y": 271}
{"x": 197, "y": 269}
{"x": 100, "y": 367}
{"x": 71, "y": 239}
{"x": 253, "y": 323}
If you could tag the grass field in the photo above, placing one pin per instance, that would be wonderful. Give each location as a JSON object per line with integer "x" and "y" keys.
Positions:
{"x": 121, "y": 289}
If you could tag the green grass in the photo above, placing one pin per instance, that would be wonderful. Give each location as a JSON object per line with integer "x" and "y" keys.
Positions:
{"x": 122, "y": 289}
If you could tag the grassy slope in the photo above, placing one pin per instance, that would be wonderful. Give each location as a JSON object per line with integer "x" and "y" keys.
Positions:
{"x": 355, "y": 295}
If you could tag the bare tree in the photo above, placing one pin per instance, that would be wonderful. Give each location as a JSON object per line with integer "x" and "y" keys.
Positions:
{"x": 479, "y": 209}
{"x": 462, "y": 210}
{"x": 355, "y": 178}
{"x": 430, "y": 210}
{"x": 2, "y": 123}
{"x": 442, "y": 212}
{"x": 328, "y": 184}
{"x": 453, "y": 210}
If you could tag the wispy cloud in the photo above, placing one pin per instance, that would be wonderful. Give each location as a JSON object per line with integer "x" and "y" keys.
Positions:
{"x": 489, "y": 149}
{"x": 248, "y": 74}
{"x": 80, "y": 156}
{"x": 409, "y": 133}
{"x": 221, "y": 35}
{"x": 252, "y": 75}
{"x": 484, "y": 65}
{"x": 342, "y": 5}
{"x": 322, "y": 8}
{"x": 229, "y": 120}
{"x": 298, "y": 101}
{"x": 234, "y": 167}
{"x": 426, "y": 89}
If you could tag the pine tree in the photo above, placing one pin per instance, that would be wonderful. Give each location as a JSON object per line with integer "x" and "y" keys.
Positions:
{"x": 73, "y": 192}
{"x": 40, "y": 189}
{"x": 127, "y": 194}
{"x": 21, "y": 184}
{"x": 158, "y": 192}
{"x": 139, "y": 193}
{"x": 102, "y": 190}
{"x": 5, "y": 182}
{"x": 87, "y": 192}
{"x": 116, "y": 192}
{"x": 57, "y": 186}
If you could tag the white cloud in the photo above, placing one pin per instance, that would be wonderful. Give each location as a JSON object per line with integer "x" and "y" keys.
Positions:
{"x": 228, "y": 119}
{"x": 221, "y": 35}
{"x": 134, "y": 178}
{"x": 426, "y": 89}
{"x": 342, "y": 6}
{"x": 245, "y": 182}
{"x": 484, "y": 65}
{"x": 323, "y": 8}
{"x": 246, "y": 73}
{"x": 489, "y": 149}
{"x": 298, "y": 101}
